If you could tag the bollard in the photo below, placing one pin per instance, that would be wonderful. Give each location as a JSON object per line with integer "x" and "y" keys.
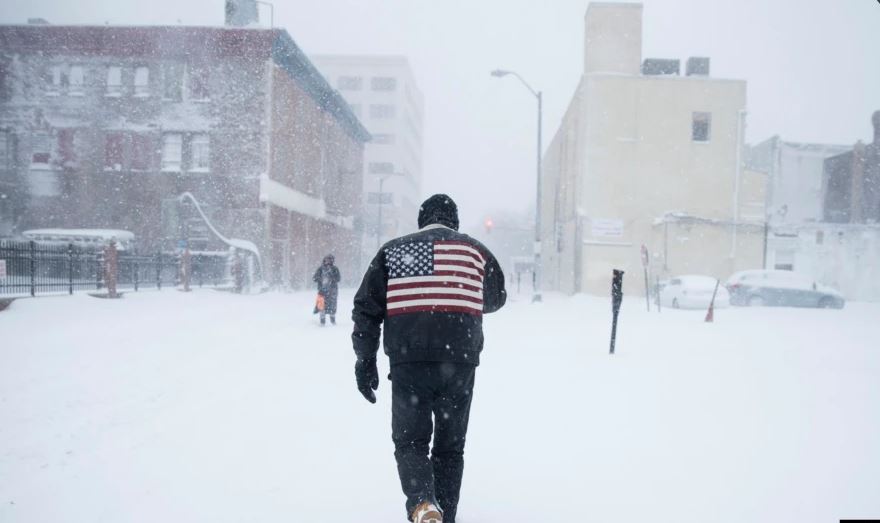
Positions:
{"x": 616, "y": 300}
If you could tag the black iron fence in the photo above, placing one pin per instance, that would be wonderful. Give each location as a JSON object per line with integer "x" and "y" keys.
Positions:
{"x": 32, "y": 268}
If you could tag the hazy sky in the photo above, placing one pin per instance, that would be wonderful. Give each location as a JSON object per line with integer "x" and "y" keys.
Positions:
{"x": 812, "y": 66}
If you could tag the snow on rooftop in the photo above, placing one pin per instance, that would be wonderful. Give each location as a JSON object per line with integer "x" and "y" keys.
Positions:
{"x": 106, "y": 234}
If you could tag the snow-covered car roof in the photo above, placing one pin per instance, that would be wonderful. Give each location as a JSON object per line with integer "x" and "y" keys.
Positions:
{"x": 696, "y": 280}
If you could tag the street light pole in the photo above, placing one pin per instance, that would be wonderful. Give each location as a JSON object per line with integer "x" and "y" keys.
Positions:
{"x": 500, "y": 73}
{"x": 380, "y": 204}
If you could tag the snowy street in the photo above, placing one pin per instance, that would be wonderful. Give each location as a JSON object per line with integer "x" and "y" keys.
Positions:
{"x": 166, "y": 406}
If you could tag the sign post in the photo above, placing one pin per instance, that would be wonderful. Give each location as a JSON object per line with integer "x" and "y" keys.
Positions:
{"x": 645, "y": 268}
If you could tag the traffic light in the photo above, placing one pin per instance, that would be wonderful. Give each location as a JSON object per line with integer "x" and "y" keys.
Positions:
{"x": 489, "y": 224}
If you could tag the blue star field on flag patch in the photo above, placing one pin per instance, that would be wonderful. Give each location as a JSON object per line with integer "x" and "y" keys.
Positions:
{"x": 410, "y": 260}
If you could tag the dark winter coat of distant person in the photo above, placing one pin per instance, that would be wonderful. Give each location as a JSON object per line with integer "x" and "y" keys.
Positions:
{"x": 327, "y": 278}
{"x": 430, "y": 290}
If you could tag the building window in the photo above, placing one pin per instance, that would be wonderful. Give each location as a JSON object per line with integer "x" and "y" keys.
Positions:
{"x": 382, "y": 111}
{"x": 172, "y": 81}
{"x": 5, "y": 87}
{"x": 41, "y": 151}
{"x": 142, "y": 81}
{"x": 113, "y": 149}
{"x": 198, "y": 83}
{"x": 6, "y": 154}
{"x": 172, "y": 149}
{"x": 384, "y": 139}
{"x": 701, "y": 130}
{"x": 381, "y": 168}
{"x": 66, "y": 149}
{"x": 55, "y": 79}
{"x": 200, "y": 153}
{"x": 141, "y": 152}
{"x": 114, "y": 81}
{"x": 350, "y": 83}
{"x": 383, "y": 83}
{"x": 784, "y": 261}
{"x": 77, "y": 80}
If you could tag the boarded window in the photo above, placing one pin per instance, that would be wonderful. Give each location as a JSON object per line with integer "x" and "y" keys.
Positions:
{"x": 55, "y": 79}
{"x": 5, "y": 80}
{"x": 383, "y": 83}
{"x": 200, "y": 152}
{"x": 172, "y": 149}
{"x": 141, "y": 152}
{"x": 113, "y": 151}
{"x": 66, "y": 149}
{"x": 383, "y": 139}
{"x": 382, "y": 111}
{"x": 350, "y": 83}
{"x": 172, "y": 81}
{"x": 6, "y": 156}
{"x": 77, "y": 80}
{"x": 784, "y": 260}
{"x": 41, "y": 150}
{"x": 701, "y": 128}
{"x": 381, "y": 168}
{"x": 142, "y": 81}
{"x": 198, "y": 83}
{"x": 114, "y": 81}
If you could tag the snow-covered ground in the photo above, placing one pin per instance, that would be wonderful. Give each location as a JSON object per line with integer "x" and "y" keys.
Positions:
{"x": 213, "y": 407}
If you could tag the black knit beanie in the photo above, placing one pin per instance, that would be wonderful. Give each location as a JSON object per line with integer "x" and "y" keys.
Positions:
{"x": 439, "y": 209}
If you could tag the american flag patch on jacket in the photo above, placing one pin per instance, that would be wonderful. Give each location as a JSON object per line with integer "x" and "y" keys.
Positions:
{"x": 435, "y": 276}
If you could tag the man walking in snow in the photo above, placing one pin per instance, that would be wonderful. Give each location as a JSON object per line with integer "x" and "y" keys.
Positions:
{"x": 430, "y": 289}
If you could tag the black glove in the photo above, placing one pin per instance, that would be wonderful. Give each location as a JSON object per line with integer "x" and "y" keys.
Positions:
{"x": 367, "y": 378}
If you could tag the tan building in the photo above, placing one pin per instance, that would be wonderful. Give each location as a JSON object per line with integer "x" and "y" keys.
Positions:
{"x": 647, "y": 156}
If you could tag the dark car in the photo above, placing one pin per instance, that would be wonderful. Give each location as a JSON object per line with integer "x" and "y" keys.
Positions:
{"x": 780, "y": 289}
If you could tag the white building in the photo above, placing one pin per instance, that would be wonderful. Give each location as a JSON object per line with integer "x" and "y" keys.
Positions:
{"x": 383, "y": 93}
{"x": 646, "y": 155}
{"x": 795, "y": 191}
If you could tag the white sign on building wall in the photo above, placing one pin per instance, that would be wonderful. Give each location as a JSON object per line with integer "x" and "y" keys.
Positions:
{"x": 606, "y": 228}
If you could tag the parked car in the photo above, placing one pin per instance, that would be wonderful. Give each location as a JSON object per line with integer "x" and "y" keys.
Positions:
{"x": 781, "y": 289}
{"x": 692, "y": 292}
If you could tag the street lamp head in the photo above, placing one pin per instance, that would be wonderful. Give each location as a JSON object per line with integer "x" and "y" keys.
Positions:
{"x": 500, "y": 73}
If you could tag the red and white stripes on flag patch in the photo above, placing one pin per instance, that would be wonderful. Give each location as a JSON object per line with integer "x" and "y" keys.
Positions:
{"x": 445, "y": 277}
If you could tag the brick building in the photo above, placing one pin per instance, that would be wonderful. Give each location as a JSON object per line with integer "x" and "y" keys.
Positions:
{"x": 852, "y": 182}
{"x": 104, "y": 127}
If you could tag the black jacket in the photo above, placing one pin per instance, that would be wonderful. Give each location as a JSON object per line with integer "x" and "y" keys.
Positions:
{"x": 430, "y": 289}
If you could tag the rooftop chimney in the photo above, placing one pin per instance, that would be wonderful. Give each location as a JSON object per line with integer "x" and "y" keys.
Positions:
{"x": 242, "y": 13}
{"x": 613, "y": 38}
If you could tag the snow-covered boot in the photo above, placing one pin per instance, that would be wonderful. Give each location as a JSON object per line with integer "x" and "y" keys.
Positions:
{"x": 427, "y": 513}
{"x": 333, "y": 319}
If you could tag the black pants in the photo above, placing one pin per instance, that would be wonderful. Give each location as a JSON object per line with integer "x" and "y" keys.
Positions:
{"x": 420, "y": 390}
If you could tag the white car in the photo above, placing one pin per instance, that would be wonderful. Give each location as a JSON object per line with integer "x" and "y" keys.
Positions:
{"x": 693, "y": 292}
